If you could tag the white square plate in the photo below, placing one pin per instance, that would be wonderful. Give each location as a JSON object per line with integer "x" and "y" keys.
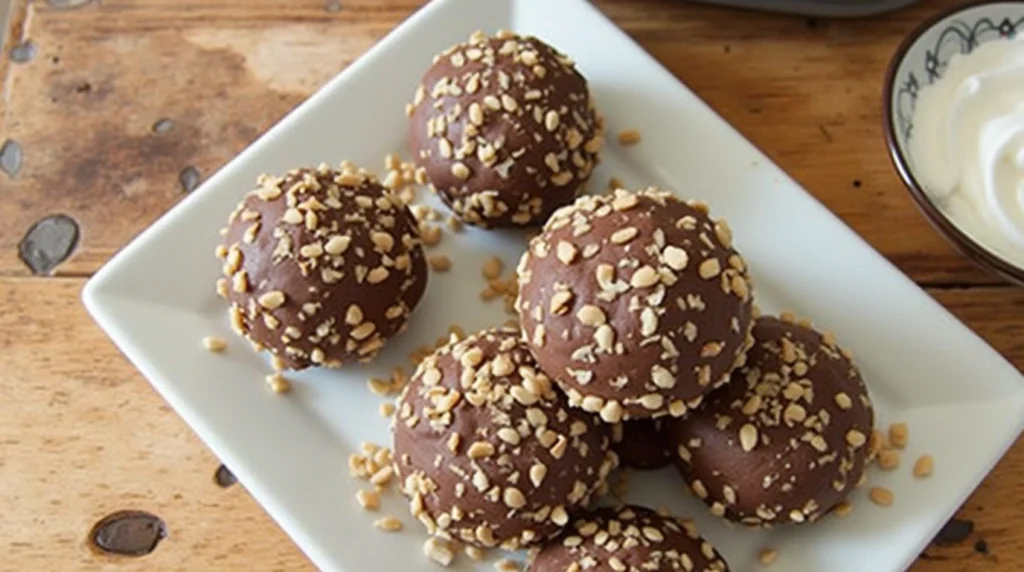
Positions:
{"x": 964, "y": 402}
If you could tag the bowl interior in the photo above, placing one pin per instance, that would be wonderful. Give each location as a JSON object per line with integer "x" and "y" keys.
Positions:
{"x": 924, "y": 62}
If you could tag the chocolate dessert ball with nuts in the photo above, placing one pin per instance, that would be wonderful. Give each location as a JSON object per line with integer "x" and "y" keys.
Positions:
{"x": 636, "y": 303}
{"x": 641, "y": 444}
{"x": 321, "y": 267}
{"x": 486, "y": 449}
{"x": 629, "y": 538}
{"x": 787, "y": 439}
{"x": 505, "y": 128}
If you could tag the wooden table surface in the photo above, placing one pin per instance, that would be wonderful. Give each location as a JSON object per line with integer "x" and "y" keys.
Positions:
{"x": 81, "y": 432}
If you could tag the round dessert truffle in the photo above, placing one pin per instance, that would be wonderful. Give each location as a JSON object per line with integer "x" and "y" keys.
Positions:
{"x": 787, "y": 439}
{"x": 630, "y": 538}
{"x": 636, "y": 303}
{"x": 505, "y": 129}
{"x": 641, "y": 444}
{"x": 321, "y": 266}
{"x": 486, "y": 449}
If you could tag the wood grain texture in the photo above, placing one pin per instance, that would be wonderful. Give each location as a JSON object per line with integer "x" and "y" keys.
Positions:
{"x": 82, "y": 434}
{"x": 805, "y": 91}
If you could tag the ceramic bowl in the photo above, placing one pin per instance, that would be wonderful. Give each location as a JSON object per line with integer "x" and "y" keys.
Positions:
{"x": 921, "y": 60}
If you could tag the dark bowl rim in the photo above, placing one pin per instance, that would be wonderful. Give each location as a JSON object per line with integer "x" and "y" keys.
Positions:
{"x": 966, "y": 245}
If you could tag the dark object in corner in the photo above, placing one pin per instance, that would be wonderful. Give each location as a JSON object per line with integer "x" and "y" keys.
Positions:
{"x": 128, "y": 533}
{"x": 954, "y": 532}
{"x": 48, "y": 243}
{"x": 189, "y": 179}
{"x": 224, "y": 477}
{"x": 23, "y": 52}
{"x": 10, "y": 158}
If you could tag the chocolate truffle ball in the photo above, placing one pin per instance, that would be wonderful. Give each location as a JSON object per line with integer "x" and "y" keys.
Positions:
{"x": 505, "y": 129}
{"x": 322, "y": 267}
{"x": 487, "y": 450}
{"x": 630, "y": 538}
{"x": 641, "y": 444}
{"x": 636, "y": 303}
{"x": 787, "y": 439}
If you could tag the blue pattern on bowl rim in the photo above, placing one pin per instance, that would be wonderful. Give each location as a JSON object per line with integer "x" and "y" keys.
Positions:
{"x": 920, "y": 61}
{"x": 956, "y": 36}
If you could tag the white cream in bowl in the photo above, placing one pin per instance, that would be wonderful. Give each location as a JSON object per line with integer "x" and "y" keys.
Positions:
{"x": 968, "y": 145}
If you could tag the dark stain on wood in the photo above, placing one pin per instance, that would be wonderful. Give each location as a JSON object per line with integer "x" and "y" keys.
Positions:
{"x": 48, "y": 243}
{"x": 10, "y": 158}
{"x": 224, "y": 477}
{"x": 163, "y": 125}
{"x": 189, "y": 178}
{"x": 81, "y": 92}
{"x": 954, "y": 532}
{"x": 103, "y": 164}
{"x": 825, "y": 133}
{"x": 981, "y": 547}
{"x": 117, "y": 162}
{"x": 23, "y": 52}
{"x": 128, "y": 533}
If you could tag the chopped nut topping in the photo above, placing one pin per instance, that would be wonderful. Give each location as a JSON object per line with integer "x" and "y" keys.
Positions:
{"x": 888, "y": 459}
{"x": 551, "y": 120}
{"x": 506, "y": 565}
{"x": 438, "y": 550}
{"x": 748, "y": 437}
{"x": 513, "y": 498}
{"x": 924, "y": 466}
{"x": 856, "y": 438}
{"x": 612, "y": 412}
{"x": 537, "y": 474}
{"x": 271, "y": 300}
{"x": 388, "y": 524}
{"x": 709, "y": 269}
{"x": 644, "y": 277}
{"x": 440, "y": 263}
{"x": 881, "y": 496}
{"x": 560, "y": 302}
{"x": 460, "y": 170}
{"x": 566, "y": 252}
{"x": 474, "y": 553}
{"x": 492, "y": 268}
{"x": 215, "y": 344}
{"x": 899, "y": 435}
{"x": 629, "y": 137}
{"x": 369, "y": 500}
{"x": 278, "y": 384}
{"x": 377, "y": 275}
{"x": 843, "y": 401}
{"x": 844, "y": 508}
{"x": 591, "y": 316}
{"x": 624, "y": 235}
{"x": 480, "y": 450}
{"x": 662, "y": 377}
{"x": 676, "y": 258}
